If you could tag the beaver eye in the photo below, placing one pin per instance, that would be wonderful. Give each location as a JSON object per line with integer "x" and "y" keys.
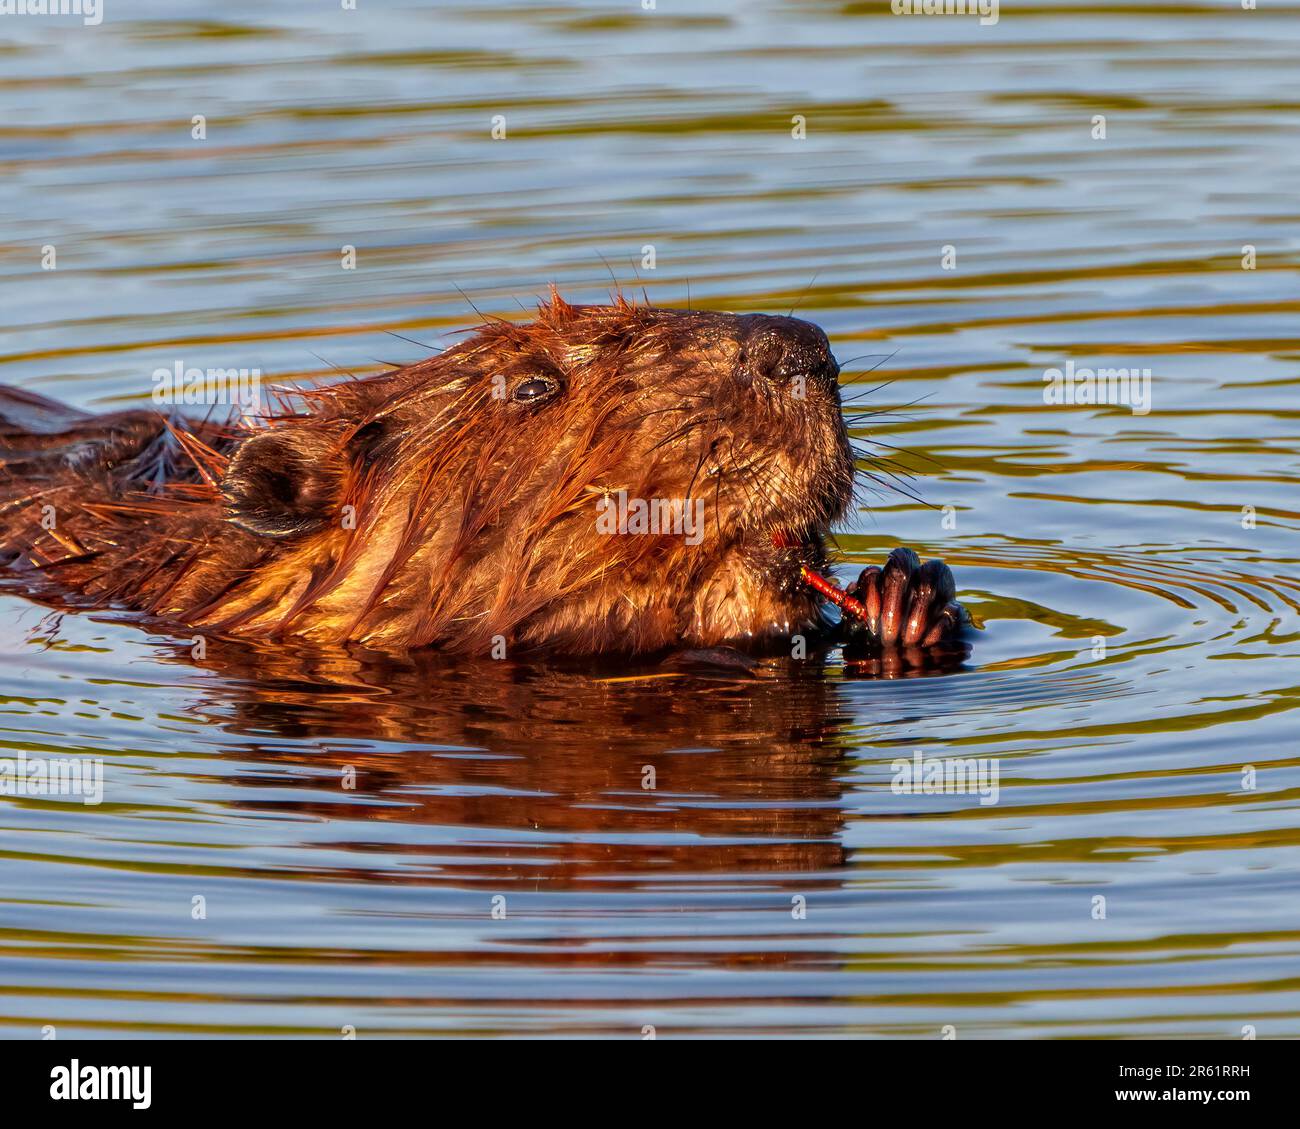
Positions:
{"x": 536, "y": 390}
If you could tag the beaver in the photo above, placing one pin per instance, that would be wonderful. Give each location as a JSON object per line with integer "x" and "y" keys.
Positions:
{"x": 603, "y": 479}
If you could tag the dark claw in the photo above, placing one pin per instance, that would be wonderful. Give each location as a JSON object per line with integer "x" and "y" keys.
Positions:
{"x": 899, "y": 568}
{"x": 932, "y": 587}
{"x": 947, "y": 623}
{"x": 867, "y": 590}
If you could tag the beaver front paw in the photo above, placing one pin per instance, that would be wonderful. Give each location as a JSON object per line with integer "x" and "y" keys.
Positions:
{"x": 907, "y": 603}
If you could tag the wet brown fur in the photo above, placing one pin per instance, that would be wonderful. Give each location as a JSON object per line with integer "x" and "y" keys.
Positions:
{"x": 428, "y": 507}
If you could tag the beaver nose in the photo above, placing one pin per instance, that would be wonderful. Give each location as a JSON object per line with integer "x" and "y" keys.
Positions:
{"x": 781, "y": 349}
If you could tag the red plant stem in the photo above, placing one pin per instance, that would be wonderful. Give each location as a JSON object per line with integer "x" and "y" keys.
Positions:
{"x": 833, "y": 592}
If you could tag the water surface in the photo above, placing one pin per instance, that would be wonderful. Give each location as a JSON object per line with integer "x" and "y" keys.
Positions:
{"x": 1141, "y": 635}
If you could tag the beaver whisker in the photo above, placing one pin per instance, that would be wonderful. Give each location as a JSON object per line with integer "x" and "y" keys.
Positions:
{"x": 659, "y": 411}
{"x": 882, "y": 462}
{"x": 760, "y": 490}
{"x": 412, "y": 341}
{"x": 685, "y": 429}
{"x": 896, "y": 487}
{"x": 883, "y": 358}
{"x": 690, "y": 486}
{"x": 901, "y": 450}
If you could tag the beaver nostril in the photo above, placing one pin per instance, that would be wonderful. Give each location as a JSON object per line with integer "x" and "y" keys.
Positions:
{"x": 783, "y": 349}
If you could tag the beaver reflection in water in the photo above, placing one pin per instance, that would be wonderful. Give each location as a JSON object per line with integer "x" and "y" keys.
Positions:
{"x": 460, "y": 501}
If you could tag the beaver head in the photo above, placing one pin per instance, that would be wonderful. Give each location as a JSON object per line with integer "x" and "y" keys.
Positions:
{"x": 604, "y": 478}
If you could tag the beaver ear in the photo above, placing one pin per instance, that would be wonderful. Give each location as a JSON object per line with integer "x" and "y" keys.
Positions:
{"x": 285, "y": 482}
